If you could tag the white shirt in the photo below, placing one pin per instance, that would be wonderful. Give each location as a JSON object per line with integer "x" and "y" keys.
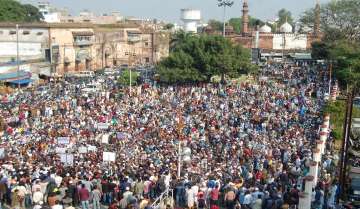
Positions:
{"x": 57, "y": 207}
{"x": 37, "y": 197}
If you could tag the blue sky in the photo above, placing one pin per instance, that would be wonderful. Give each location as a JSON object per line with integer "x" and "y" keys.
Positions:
{"x": 169, "y": 10}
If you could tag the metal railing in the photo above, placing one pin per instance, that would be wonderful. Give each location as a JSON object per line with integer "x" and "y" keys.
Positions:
{"x": 166, "y": 198}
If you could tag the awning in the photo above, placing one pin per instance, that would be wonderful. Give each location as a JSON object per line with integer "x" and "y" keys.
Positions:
{"x": 22, "y": 81}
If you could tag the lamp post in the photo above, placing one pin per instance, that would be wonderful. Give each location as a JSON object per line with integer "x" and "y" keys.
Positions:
{"x": 224, "y": 4}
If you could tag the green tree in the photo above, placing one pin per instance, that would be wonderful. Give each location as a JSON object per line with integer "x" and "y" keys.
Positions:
{"x": 284, "y": 16}
{"x": 236, "y": 23}
{"x": 198, "y": 58}
{"x": 13, "y": 11}
{"x": 169, "y": 26}
{"x": 124, "y": 79}
{"x": 32, "y": 13}
{"x": 339, "y": 20}
{"x": 215, "y": 25}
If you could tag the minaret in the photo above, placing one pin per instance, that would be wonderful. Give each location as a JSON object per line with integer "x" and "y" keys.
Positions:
{"x": 317, "y": 18}
{"x": 245, "y": 18}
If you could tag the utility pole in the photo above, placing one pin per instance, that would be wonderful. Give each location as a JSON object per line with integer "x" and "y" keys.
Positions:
{"x": 346, "y": 139}
{"x": 17, "y": 53}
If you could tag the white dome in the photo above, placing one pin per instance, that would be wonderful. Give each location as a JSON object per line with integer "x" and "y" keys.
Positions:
{"x": 265, "y": 29}
{"x": 286, "y": 28}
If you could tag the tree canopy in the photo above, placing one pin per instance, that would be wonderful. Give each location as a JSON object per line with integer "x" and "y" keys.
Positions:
{"x": 235, "y": 22}
{"x": 13, "y": 11}
{"x": 338, "y": 20}
{"x": 124, "y": 79}
{"x": 198, "y": 58}
{"x": 340, "y": 25}
{"x": 285, "y": 16}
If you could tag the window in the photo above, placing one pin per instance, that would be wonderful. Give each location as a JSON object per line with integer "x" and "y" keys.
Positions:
{"x": 1, "y": 32}
{"x": 126, "y": 53}
{"x": 146, "y": 43}
{"x": 147, "y": 59}
{"x": 12, "y": 32}
{"x": 39, "y": 33}
{"x": 26, "y": 32}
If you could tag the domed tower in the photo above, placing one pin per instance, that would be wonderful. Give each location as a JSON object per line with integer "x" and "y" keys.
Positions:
{"x": 265, "y": 29}
{"x": 286, "y": 28}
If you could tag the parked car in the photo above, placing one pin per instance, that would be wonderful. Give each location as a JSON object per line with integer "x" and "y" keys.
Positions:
{"x": 354, "y": 192}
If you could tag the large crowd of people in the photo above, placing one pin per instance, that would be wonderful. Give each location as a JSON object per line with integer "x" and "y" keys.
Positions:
{"x": 250, "y": 144}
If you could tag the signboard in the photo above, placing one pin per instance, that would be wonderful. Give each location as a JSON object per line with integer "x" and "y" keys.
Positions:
{"x": 109, "y": 156}
{"x": 67, "y": 159}
{"x": 255, "y": 55}
{"x": 63, "y": 140}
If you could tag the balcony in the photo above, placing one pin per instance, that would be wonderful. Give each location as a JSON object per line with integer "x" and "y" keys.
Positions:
{"x": 83, "y": 38}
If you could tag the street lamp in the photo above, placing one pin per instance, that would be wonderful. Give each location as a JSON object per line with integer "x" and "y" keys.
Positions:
{"x": 224, "y": 4}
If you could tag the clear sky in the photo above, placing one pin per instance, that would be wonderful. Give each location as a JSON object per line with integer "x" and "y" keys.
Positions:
{"x": 169, "y": 10}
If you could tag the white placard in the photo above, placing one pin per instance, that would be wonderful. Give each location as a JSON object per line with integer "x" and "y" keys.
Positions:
{"x": 83, "y": 149}
{"x": 105, "y": 139}
{"x": 67, "y": 159}
{"x": 109, "y": 156}
{"x": 60, "y": 150}
{"x": 63, "y": 140}
{"x": 91, "y": 148}
{"x": 102, "y": 126}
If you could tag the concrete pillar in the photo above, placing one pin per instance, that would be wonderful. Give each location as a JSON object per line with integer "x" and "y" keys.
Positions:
{"x": 334, "y": 93}
{"x": 316, "y": 155}
{"x": 324, "y": 128}
{"x": 327, "y": 120}
{"x": 314, "y": 168}
{"x": 321, "y": 146}
{"x": 304, "y": 200}
{"x": 308, "y": 184}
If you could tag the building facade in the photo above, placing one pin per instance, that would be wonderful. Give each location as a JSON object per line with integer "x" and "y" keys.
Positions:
{"x": 66, "y": 47}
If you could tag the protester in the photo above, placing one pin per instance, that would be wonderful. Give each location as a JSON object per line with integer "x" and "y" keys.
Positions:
{"x": 250, "y": 143}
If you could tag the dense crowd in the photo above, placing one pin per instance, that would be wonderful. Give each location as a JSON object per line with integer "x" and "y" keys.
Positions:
{"x": 250, "y": 144}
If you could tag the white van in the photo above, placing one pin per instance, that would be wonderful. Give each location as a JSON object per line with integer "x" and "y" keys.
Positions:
{"x": 84, "y": 74}
{"x": 80, "y": 74}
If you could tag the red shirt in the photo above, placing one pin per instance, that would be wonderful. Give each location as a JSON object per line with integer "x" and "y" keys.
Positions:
{"x": 214, "y": 194}
{"x": 84, "y": 194}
